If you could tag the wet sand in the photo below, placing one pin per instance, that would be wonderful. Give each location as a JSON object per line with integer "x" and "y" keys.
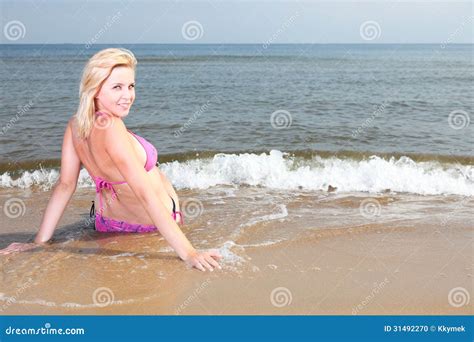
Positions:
{"x": 408, "y": 264}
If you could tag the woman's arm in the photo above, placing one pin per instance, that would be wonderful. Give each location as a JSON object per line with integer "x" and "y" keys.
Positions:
{"x": 120, "y": 150}
{"x": 62, "y": 193}
{"x": 63, "y": 190}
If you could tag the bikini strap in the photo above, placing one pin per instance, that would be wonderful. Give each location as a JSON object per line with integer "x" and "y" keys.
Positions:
{"x": 101, "y": 184}
{"x": 180, "y": 214}
{"x": 176, "y": 212}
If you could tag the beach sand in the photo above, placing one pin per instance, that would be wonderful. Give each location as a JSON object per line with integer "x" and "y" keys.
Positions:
{"x": 317, "y": 259}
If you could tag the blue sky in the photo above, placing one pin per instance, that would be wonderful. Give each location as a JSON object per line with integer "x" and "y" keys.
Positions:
{"x": 216, "y": 21}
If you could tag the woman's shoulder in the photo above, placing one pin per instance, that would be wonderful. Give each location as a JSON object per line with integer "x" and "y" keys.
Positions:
{"x": 72, "y": 126}
{"x": 103, "y": 126}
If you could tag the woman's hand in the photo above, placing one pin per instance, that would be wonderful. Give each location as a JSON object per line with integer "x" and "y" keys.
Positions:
{"x": 204, "y": 259}
{"x": 18, "y": 247}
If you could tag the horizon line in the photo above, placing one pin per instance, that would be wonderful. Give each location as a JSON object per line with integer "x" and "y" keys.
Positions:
{"x": 264, "y": 43}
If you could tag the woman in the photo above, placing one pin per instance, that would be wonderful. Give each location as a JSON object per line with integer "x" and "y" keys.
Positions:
{"x": 133, "y": 195}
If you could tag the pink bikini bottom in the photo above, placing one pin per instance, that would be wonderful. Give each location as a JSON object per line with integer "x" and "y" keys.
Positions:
{"x": 108, "y": 225}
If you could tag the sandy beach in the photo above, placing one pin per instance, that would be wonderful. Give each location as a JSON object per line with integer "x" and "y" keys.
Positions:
{"x": 306, "y": 262}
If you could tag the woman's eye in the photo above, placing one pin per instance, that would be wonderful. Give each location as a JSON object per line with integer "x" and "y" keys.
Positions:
{"x": 116, "y": 87}
{"x": 132, "y": 86}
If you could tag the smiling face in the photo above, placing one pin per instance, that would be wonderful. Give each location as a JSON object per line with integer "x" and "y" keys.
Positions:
{"x": 117, "y": 94}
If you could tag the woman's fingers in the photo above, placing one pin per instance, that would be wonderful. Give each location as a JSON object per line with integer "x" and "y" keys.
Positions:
{"x": 205, "y": 263}
{"x": 17, "y": 247}
{"x": 199, "y": 266}
{"x": 10, "y": 249}
{"x": 206, "y": 260}
{"x": 211, "y": 261}
{"x": 215, "y": 253}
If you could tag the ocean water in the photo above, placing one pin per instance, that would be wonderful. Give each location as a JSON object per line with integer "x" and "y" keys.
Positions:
{"x": 274, "y": 152}
{"x": 368, "y": 118}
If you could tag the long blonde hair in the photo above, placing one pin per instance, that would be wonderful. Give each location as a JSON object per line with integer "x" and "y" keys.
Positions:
{"x": 96, "y": 71}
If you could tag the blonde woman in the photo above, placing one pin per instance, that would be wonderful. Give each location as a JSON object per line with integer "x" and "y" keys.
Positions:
{"x": 132, "y": 193}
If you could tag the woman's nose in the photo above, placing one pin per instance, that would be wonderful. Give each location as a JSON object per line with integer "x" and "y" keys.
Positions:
{"x": 128, "y": 94}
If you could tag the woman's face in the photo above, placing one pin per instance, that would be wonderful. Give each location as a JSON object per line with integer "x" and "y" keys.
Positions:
{"x": 117, "y": 93}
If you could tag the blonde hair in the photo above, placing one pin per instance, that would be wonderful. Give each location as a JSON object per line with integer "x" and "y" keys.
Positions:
{"x": 95, "y": 73}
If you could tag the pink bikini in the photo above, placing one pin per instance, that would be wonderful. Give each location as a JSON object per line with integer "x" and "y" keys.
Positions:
{"x": 104, "y": 224}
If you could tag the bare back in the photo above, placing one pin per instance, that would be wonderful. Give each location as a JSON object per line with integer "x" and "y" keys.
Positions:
{"x": 97, "y": 162}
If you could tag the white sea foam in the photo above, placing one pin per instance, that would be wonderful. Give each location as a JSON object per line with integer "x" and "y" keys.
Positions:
{"x": 276, "y": 170}
{"x": 44, "y": 178}
{"x": 10, "y": 300}
{"x": 282, "y": 213}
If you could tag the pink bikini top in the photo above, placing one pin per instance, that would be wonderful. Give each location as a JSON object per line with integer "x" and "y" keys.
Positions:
{"x": 150, "y": 150}
{"x": 151, "y": 160}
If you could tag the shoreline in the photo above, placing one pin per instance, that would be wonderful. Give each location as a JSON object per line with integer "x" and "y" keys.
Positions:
{"x": 284, "y": 254}
{"x": 371, "y": 271}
